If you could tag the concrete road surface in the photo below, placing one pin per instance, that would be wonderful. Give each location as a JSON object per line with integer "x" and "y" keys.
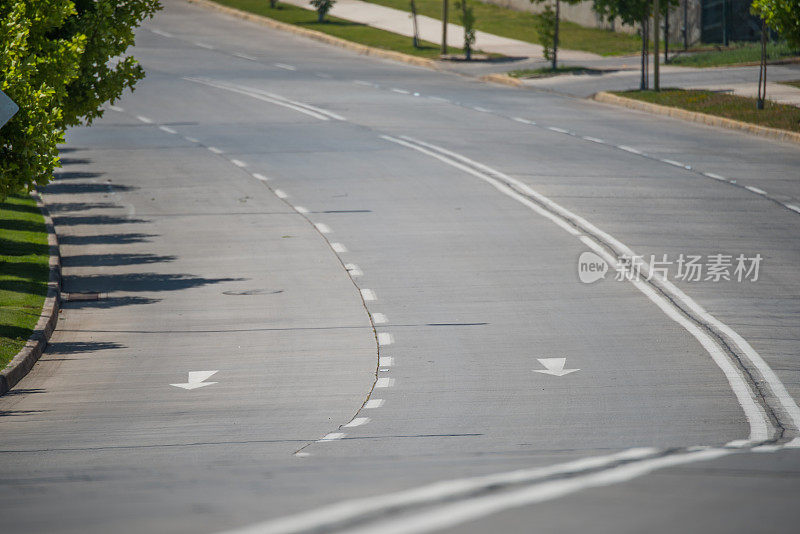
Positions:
{"x": 335, "y": 293}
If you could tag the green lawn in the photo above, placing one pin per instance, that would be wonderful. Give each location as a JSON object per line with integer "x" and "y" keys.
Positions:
{"x": 24, "y": 272}
{"x": 737, "y": 53}
{"x": 545, "y": 72}
{"x": 795, "y": 83}
{"x": 521, "y": 25}
{"x": 344, "y": 29}
{"x": 739, "y": 108}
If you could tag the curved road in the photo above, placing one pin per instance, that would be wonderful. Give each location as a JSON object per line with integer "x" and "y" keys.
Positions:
{"x": 368, "y": 265}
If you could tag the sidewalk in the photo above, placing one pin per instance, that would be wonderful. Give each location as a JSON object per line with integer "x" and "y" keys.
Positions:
{"x": 397, "y": 21}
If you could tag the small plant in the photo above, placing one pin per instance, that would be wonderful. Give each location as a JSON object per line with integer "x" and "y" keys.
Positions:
{"x": 322, "y": 7}
{"x": 273, "y": 4}
{"x": 468, "y": 23}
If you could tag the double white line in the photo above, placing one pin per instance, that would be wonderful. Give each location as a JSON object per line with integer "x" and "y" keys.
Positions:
{"x": 272, "y": 98}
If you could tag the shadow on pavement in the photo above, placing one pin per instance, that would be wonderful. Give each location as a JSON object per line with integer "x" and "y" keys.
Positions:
{"x": 104, "y": 260}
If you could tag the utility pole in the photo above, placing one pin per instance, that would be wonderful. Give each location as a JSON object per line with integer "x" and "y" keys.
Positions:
{"x": 656, "y": 38}
{"x": 666, "y": 36}
{"x": 444, "y": 27}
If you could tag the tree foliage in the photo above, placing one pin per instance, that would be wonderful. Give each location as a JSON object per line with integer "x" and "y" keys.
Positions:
{"x": 783, "y": 16}
{"x": 322, "y": 7}
{"x": 468, "y": 23}
{"x": 55, "y": 63}
{"x": 546, "y": 28}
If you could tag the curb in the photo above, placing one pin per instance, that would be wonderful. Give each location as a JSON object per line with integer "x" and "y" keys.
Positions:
{"x": 694, "y": 116}
{"x": 319, "y": 36}
{"x": 503, "y": 79}
{"x": 23, "y": 362}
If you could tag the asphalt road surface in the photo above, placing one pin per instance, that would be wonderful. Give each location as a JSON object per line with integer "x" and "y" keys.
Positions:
{"x": 326, "y": 285}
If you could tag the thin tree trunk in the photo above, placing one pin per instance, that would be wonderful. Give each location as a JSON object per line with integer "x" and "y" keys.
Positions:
{"x": 414, "y": 19}
{"x": 555, "y": 35}
{"x": 643, "y": 85}
{"x": 762, "y": 71}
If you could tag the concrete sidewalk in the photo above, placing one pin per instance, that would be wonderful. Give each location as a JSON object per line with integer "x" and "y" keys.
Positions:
{"x": 430, "y": 29}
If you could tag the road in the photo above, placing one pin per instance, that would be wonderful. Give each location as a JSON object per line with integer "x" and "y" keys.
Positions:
{"x": 375, "y": 260}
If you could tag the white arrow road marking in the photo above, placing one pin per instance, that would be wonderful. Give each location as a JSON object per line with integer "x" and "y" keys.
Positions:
{"x": 555, "y": 367}
{"x": 196, "y": 380}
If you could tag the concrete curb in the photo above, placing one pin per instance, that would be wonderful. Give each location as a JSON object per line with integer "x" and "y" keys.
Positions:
{"x": 711, "y": 120}
{"x": 23, "y": 362}
{"x": 319, "y": 36}
{"x": 502, "y": 79}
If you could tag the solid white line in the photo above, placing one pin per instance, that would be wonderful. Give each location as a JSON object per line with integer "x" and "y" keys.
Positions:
{"x": 368, "y": 295}
{"x": 401, "y": 91}
{"x": 471, "y": 509}
{"x": 629, "y": 149}
{"x": 116, "y": 108}
{"x": 280, "y": 193}
{"x": 760, "y": 427}
{"x": 379, "y": 318}
{"x": 353, "y": 269}
{"x": 385, "y": 338}
{"x": 373, "y": 403}
{"x": 333, "y": 436}
{"x": 330, "y": 515}
{"x": 523, "y": 121}
{"x": 594, "y": 139}
{"x": 144, "y": 119}
{"x": 715, "y": 176}
{"x": 323, "y": 228}
{"x": 245, "y": 56}
{"x": 162, "y": 33}
{"x": 358, "y": 421}
{"x": 384, "y": 382}
{"x": 338, "y": 247}
{"x": 261, "y": 177}
{"x": 756, "y": 190}
{"x": 793, "y": 207}
{"x": 239, "y": 163}
{"x": 204, "y": 45}
{"x": 385, "y": 361}
{"x": 253, "y": 94}
{"x": 167, "y": 129}
{"x": 285, "y": 66}
{"x": 214, "y": 149}
{"x": 301, "y": 209}
{"x": 559, "y": 130}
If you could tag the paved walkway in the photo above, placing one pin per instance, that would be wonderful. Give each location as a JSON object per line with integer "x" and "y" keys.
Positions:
{"x": 430, "y": 29}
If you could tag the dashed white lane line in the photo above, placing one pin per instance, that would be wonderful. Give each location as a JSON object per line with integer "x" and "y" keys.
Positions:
{"x": 482, "y": 110}
{"x": 302, "y": 454}
{"x": 333, "y": 436}
{"x": 116, "y": 108}
{"x": 559, "y": 130}
{"x": 715, "y": 176}
{"x": 284, "y": 66}
{"x": 144, "y": 119}
{"x": 214, "y": 149}
{"x": 167, "y": 129}
{"x": 162, "y": 33}
{"x": 323, "y": 228}
{"x": 239, "y": 163}
{"x": 203, "y": 45}
{"x": 676, "y": 164}
{"x": 439, "y": 99}
{"x": 323, "y": 75}
{"x": 362, "y": 82}
{"x": 192, "y": 139}
{"x": 593, "y": 139}
{"x": 379, "y": 318}
{"x": 523, "y": 121}
{"x": 385, "y": 339}
{"x": 385, "y": 361}
{"x": 755, "y": 190}
{"x": 358, "y": 421}
{"x": 630, "y": 149}
{"x": 261, "y": 177}
{"x": 338, "y": 247}
{"x": 384, "y": 382}
{"x": 368, "y": 295}
{"x": 301, "y": 209}
{"x": 793, "y": 207}
{"x": 374, "y": 403}
{"x": 280, "y": 193}
{"x": 353, "y": 269}
{"x": 401, "y": 91}
{"x": 245, "y": 56}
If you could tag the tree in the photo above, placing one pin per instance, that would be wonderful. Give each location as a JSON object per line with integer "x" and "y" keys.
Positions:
{"x": 322, "y": 7}
{"x": 415, "y": 39}
{"x": 546, "y": 27}
{"x": 468, "y": 23}
{"x": 546, "y": 24}
{"x": 55, "y": 64}
{"x": 782, "y": 16}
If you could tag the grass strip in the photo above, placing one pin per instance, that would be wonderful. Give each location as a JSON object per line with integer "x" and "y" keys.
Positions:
{"x": 344, "y": 29}
{"x": 521, "y": 25}
{"x": 546, "y": 72}
{"x": 24, "y": 272}
{"x": 795, "y": 83}
{"x": 774, "y": 115}
{"x": 737, "y": 53}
